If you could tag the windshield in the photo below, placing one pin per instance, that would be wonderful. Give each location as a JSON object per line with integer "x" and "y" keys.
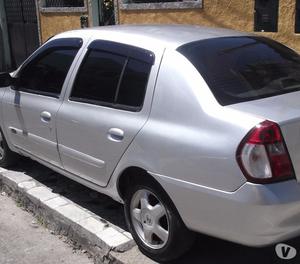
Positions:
{"x": 239, "y": 69}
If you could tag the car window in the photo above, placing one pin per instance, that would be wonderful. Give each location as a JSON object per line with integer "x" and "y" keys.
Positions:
{"x": 111, "y": 79}
{"x": 239, "y": 69}
{"x": 98, "y": 77}
{"x": 46, "y": 74}
{"x": 133, "y": 85}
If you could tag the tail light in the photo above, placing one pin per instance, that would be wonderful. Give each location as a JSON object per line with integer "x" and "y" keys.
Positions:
{"x": 263, "y": 156}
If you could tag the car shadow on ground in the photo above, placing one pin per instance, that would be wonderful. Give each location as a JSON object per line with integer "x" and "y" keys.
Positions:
{"x": 99, "y": 204}
{"x": 206, "y": 250}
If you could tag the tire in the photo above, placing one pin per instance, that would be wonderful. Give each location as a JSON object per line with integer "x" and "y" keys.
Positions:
{"x": 155, "y": 223}
{"x": 7, "y": 157}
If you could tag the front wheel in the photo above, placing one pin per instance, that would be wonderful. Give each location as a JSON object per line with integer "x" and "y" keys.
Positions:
{"x": 7, "y": 157}
{"x": 155, "y": 223}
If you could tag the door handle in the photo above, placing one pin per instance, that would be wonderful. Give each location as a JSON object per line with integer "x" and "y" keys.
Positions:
{"x": 115, "y": 134}
{"x": 45, "y": 116}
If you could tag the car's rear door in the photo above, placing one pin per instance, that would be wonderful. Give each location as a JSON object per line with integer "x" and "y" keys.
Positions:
{"x": 108, "y": 104}
{"x": 30, "y": 107}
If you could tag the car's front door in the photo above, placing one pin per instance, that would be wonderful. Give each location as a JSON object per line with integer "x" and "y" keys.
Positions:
{"x": 30, "y": 107}
{"x": 105, "y": 108}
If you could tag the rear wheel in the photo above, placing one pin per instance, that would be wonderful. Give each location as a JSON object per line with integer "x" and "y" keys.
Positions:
{"x": 7, "y": 157}
{"x": 155, "y": 223}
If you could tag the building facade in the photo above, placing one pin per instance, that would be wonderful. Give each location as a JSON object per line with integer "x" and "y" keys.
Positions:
{"x": 25, "y": 24}
{"x": 278, "y": 19}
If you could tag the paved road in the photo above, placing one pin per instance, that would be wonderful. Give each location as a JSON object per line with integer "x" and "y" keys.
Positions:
{"x": 24, "y": 241}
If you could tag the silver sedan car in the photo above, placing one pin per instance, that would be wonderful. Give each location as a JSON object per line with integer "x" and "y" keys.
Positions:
{"x": 192, "y": 128}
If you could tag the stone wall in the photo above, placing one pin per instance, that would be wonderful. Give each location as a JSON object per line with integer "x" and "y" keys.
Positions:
{"x": 52, "y": 23}
{"x": 234, "y": 14}
{"x": 54, "y": 20}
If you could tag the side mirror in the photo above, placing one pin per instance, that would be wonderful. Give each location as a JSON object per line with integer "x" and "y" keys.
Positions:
{"x": 5, "y": 79}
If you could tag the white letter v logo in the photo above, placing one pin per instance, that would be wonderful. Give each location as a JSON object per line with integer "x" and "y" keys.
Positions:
{"x": 285, "y": 251}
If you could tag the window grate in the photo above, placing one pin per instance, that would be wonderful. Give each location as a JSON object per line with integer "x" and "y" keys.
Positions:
{"x": 29, "y": 11}
{"x": 20, "y": 11}
{"x": 14, "y": 12}
{"x": 266, "y": 15}
{"x": 64, "y": 3}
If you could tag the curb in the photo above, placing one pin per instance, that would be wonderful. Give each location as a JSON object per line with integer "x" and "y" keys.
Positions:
{"x": 95, "y": 235}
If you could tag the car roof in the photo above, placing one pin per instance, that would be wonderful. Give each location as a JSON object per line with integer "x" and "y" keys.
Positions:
{"x": 167, "y": 35}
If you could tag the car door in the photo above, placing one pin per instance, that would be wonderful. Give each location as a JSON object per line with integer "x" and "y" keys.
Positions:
{"x": 105, "y": 108}
{"x": 30, "y": 107}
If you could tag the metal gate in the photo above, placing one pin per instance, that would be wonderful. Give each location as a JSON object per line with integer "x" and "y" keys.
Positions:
{"x": 22, "y": 28}
{"x": 266, "y": 15}
{"x": 106, "y": 12}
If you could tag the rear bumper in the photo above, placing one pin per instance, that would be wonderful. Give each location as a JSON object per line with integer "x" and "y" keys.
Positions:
{"x": 254, "y": 215}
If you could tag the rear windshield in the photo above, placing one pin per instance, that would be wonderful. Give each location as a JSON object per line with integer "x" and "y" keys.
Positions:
{"x": 239, "y": 69}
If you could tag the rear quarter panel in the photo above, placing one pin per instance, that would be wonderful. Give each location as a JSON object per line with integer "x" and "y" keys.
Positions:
{"x": 189, "y": 136}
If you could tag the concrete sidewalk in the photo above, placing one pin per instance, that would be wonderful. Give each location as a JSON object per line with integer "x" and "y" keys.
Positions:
{"x": 24, "y": 241}
{"x": 86, "y": 218}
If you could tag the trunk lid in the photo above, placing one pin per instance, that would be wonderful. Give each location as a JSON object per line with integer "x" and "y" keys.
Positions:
{"x": 285, "y": 111}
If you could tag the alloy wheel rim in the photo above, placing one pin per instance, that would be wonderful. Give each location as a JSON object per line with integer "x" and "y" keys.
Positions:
{"x": 149, "y": 218}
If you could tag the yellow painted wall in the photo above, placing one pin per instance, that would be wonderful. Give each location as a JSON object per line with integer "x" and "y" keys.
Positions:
{"x": 234, "y": 14}
{"x": 54, "y": 23}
